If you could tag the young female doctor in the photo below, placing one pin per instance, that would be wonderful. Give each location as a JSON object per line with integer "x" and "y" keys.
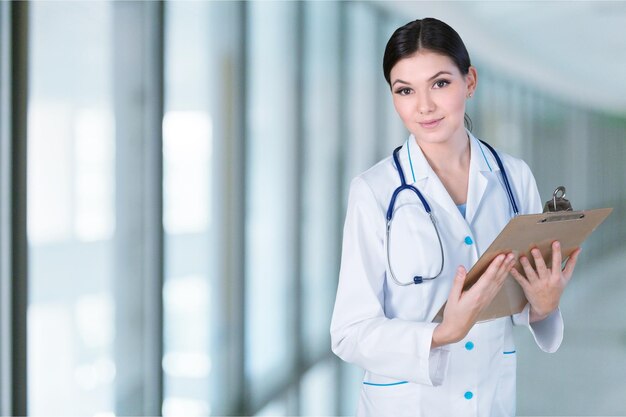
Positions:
{"x": 416, "y": 222}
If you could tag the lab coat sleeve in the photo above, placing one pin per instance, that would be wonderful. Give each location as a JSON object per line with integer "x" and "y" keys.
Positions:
{"x": 360, "y": 332}
{"x": 548, "y": 333}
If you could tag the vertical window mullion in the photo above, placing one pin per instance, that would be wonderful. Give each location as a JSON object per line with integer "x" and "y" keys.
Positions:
{"x": 13, "y": 238}
{"x": 138, "y": 90}
{"x": 296, "y": 306}
{"x": 227, "y": 101}
{"x": 232, "y": 176}
{"x": 340, "y": 367}
{"x": 381, "y": 102}
{"x": 5, "y": 209}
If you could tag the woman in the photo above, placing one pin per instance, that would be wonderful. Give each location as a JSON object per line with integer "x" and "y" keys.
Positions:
{"x": 391, "y": 289}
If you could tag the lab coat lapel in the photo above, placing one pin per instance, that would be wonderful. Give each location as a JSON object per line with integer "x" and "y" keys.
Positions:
{"x": 437, "y": 192}
{"x": 427, "y": 181}
{"x": 482, "y": 170}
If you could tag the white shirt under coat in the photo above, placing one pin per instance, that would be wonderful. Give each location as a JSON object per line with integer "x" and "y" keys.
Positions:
{"x": 387, "y": 329}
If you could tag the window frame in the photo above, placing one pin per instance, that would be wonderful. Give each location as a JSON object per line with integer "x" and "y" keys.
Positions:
{"x": 13, "y": 244}
{"x": 138, "y": 41}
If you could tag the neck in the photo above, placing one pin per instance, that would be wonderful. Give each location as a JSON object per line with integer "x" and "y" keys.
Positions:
{"x": 453, "y": 154}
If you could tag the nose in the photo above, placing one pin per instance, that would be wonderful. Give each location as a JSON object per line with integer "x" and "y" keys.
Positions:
{"x": 425, "y": 103}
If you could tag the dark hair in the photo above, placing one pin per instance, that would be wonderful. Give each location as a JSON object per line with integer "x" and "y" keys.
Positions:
{"x": 430, "y": 34}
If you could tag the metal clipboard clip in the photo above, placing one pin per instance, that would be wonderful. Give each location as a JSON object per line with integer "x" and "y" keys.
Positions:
{"x": 558, "y": 201}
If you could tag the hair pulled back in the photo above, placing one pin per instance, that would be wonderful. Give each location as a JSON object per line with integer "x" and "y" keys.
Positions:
{"x": 428, "y": 34}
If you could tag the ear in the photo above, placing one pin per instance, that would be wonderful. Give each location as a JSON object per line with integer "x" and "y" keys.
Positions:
{"x": 471, "y": 80}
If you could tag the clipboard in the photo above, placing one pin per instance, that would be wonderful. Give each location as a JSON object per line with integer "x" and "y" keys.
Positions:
{"x": 520, "y": 235}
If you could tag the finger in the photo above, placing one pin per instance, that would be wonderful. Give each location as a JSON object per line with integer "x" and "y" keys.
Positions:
{"x": 506, "y": 266}
{"x": 540, "y": 265}
{"x": 496, "y": 264}
{"x": 500, "y": 276}
{"x": 521, "y": 279}
{"x": 457, "y": 285}
{"x": 557, "y": 258}
{"x": 490, "y": 274}
{"x": 571, "y": 264}
{"x": 496, "y": 284}
{"x": 530, "y": 273}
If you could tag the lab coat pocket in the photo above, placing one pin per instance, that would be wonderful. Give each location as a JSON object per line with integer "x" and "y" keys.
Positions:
{"x": 504, "y": 404}
{"x": 413, "y": 246}
{"x": 382, "y": 396}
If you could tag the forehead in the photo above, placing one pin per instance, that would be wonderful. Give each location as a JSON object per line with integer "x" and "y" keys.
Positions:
{"x": 421, "y": 66}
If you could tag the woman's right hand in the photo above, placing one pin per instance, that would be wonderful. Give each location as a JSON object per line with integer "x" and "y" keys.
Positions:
{"x": 463, "y": 308}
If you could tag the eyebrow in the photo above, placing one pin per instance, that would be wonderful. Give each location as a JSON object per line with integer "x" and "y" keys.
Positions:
{"x": 430, "y": 79}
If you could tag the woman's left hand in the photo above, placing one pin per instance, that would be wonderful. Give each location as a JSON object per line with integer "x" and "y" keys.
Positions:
{"x": 543, "y": 286}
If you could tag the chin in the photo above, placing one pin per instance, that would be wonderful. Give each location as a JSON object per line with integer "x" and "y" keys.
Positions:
{"x": 440, "y": 135}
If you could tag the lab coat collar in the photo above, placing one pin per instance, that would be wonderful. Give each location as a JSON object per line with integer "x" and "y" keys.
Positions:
{"x": 482, "y": 167}
{"x": 416, "y": 165}
{"x": 481, "y": 157}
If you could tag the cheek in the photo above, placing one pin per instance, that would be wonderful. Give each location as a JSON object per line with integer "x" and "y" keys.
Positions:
{"x": 403, "y": 109}
{"x": 456, "y": 103}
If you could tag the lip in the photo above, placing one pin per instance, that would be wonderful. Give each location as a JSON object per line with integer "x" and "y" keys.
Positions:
{"x": 430, "y": 124}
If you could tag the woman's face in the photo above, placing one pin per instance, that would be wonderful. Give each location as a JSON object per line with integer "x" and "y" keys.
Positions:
{"x": 429, "y": 94}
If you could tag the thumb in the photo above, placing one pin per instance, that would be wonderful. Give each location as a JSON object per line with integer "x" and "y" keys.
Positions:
{"x": 457, "y": 285}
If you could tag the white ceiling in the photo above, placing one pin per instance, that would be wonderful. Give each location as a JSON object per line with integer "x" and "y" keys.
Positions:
{"x": 573, "y": 49}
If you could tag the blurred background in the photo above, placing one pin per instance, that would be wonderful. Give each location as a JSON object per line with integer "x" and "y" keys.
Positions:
{"x": 173, "y": 181}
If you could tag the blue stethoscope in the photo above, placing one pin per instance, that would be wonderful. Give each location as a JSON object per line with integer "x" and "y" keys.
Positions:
{"x": 404, "y": 186}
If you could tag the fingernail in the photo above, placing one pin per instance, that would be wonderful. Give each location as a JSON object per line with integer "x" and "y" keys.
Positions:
{"x": 557, "y": 244}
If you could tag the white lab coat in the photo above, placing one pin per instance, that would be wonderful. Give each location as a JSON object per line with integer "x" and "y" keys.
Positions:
{"x": 387, "y": 329}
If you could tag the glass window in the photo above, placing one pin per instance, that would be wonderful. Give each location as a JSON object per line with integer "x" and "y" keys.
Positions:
{"x": 351, "y": 381}
{"x": 71, "y": 218}
{"x": 321, "y": 185}
{"x": 395, "y": 132}
{"x": 363, "y": 62}
{"x": 277, "y": 407}
{"x": 187, "y": 165}
{"x": 271, "y": 180}
{"x": 317, "y": 384}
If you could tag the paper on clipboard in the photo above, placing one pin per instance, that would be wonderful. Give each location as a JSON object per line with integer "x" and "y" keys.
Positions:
{"x": 519, "y": 236}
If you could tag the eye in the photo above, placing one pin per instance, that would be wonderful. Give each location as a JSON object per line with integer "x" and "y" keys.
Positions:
{"x": 441, "y": 83}
{"x": 404, "y": 91}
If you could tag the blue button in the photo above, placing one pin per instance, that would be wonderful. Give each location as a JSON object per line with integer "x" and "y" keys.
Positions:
{"x": 468, "y": 395}
{"x": 469, "y": 346}
{"x": 468, "y": 240}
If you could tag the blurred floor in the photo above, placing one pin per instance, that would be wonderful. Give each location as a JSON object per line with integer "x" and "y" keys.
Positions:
{"x": 586, "y": 376}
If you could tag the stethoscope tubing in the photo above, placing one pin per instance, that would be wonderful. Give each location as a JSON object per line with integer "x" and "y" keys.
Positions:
{"x": 416, "y": 279}
{"x": 404, "y": 186}
{"x": 505, "y": 177}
